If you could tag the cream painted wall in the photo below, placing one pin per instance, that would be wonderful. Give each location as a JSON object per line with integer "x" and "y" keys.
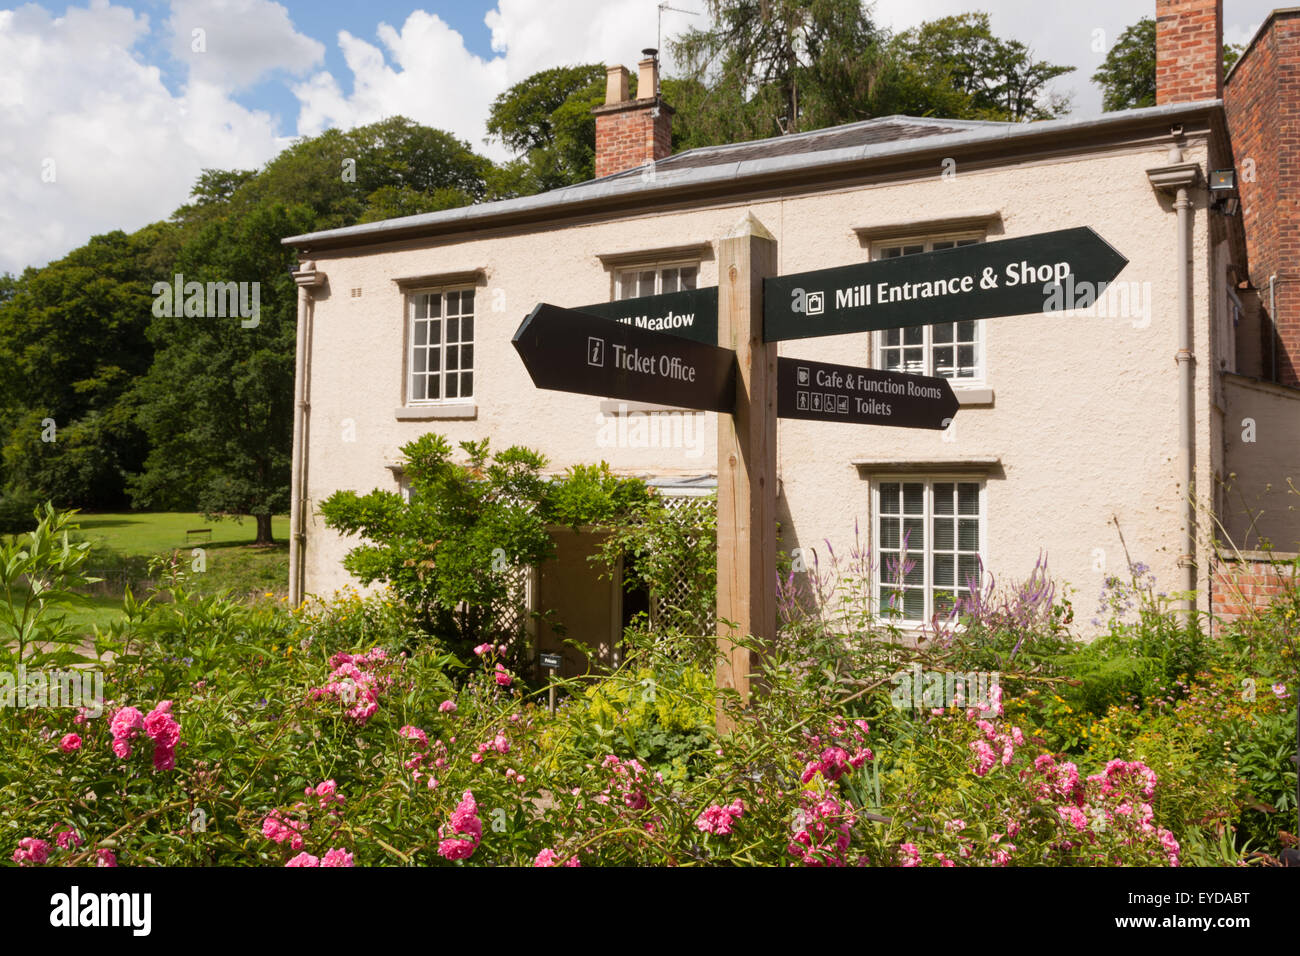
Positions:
{"x": 1084, "y": 411}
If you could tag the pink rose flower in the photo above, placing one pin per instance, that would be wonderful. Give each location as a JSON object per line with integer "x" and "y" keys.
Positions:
{"x": 70, "y": 743}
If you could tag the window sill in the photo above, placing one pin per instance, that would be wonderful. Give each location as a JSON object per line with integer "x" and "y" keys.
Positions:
{"x": 425, "y": 413}
{"x": 973, "y": 395}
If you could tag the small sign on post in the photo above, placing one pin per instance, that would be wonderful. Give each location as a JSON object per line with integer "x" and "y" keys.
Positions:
{"x": 818, "y": 392}
{"x": 552, "y": 662}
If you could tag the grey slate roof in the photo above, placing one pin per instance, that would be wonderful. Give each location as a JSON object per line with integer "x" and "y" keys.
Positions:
{"x": 880, "y": 138}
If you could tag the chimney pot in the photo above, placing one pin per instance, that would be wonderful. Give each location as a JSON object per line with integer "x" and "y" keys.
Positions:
{"x": 647, "y": 84}
{"x": 616, "y": 84}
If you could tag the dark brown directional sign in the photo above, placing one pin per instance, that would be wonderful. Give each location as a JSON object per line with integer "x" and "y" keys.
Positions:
{"x": 1007, "y": 277}
{"x": 691, "y": 313}
{"x": 571, "y": 351}
{"x": 819, "y": 392}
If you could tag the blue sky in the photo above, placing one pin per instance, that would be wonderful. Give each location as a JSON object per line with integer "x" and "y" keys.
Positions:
{"x": 109, "y": 111}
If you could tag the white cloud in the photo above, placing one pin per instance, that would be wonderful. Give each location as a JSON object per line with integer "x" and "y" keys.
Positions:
{"x": 432, "y": 78}
{"x": 234, "y": 43}
{"x": 76, "y": 100}
{"x": 423, "y": 70}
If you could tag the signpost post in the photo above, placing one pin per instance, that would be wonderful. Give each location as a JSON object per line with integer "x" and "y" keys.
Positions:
{"x": 746, "y": 461}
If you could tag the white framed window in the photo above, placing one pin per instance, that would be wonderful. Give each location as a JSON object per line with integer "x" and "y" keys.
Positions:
{"x": 929, "y": 545}
{"x": 440, "y": 350}
{"x": 953, "y": 350}
{"x": 656, "y": 279}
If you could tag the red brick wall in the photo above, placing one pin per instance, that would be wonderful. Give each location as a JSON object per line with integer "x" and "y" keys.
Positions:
{"x": 1189, "y": 50}
{"x": 627, "y": 135}
{"x": 1242, "y": 587}
{"x": 1262, "y": 103}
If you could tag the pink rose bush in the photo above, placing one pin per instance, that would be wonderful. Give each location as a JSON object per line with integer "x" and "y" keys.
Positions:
{"x": 462, "y": 835}
{"x": 356, "y": 683}
{"x": 159, "y": 726}
{"x": 719, "y": 819}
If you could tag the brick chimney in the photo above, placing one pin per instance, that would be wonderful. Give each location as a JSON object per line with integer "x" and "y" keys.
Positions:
{"x": 632, "y": 132}
{"x": 1189, "y": 51}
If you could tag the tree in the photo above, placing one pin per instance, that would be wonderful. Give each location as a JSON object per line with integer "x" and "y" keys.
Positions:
{"x": 546, "y": 121}
{"x": 1127, "y": 76}
{"x": 768, "y": 67}
{"x": 72, "y": 340}
{"x": 998, "y": 79}
{"x": 217, "y": 403}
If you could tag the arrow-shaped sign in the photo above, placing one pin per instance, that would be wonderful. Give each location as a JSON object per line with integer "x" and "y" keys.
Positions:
{"x": 1041, "y": 273}
{"x": 691, "y": 313}
{"x": 570, "y": 351}
{"x": 865, "y": 396}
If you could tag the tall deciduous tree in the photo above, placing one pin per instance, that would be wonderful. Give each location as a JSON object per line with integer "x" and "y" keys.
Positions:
{"x": 72, "y": 339}
{"x": 217, "y": 403}
{"x": 546, "y": 121}
{"x": 999, "y": 79}
{"x": 1127, "y": 77}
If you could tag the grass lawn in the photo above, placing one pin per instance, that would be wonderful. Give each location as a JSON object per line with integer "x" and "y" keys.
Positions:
{"x": 145, "y": 535}
{"x": 124, "y": 544}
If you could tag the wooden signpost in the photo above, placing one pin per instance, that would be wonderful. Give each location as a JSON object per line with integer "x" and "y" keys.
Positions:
{"x": 661, "y": 349}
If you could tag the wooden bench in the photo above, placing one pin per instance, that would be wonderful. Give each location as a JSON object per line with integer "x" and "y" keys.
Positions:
{"x": 196, "y": 534}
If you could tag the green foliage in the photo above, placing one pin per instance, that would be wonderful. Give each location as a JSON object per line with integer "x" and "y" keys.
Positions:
{"x": 72, "y": 340}
{"x": 665, "y": 545}
{"x": 453, "y": 551}
{"x": 39, "y": 574}
{"x": 819, "y": 768}
{"x": 18, "y": 512}
{"x": 996, "y": 79}
{"x": 546, "y": 121}
{"x": 217, "y": 404}
{"x": 1127, "y": 77}
{"x": 795, "y": 65}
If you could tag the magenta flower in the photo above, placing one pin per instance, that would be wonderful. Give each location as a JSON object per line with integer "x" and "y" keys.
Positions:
{"x": 70, "y": 743}
{"x": 31, "y": 850}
